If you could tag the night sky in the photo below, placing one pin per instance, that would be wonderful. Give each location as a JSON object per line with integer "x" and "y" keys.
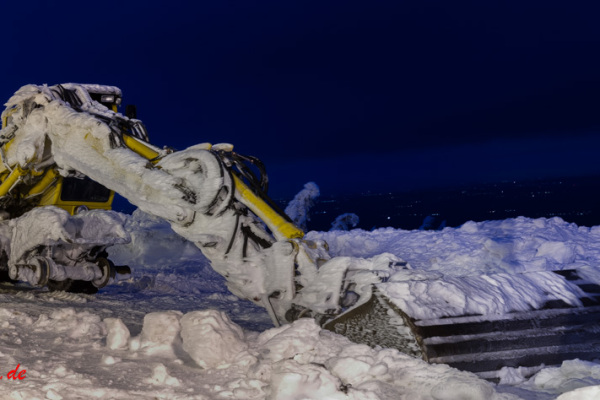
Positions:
{"x": 356, "y": 96}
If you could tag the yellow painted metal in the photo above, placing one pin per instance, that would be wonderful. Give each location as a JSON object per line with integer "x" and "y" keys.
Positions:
{"x": 50, "y": 176}
{"x": 140, "y": 148}
{"x": 3, "y": 166}
{"x": 10, "y": 180}
{"x": 281, "y": 228}
{"x": 5, "y": 115}
{"x": 51, "y": 197}
{"x": 72, "y": 207}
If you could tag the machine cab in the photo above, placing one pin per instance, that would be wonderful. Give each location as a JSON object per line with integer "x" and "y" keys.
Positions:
{"x": 47, "y": 187}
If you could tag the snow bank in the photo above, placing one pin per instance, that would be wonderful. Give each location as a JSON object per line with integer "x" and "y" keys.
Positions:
{"x": 512, "y": 245}
{"x": 471, "y": 269}
{"x": 446, "y": 296}
{"x": 300, "y": 361}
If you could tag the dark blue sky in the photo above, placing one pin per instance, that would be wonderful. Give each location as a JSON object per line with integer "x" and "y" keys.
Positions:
{"x": 354, "y": 95}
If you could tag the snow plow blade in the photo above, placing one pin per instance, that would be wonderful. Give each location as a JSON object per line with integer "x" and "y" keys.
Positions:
{"x": 484, "y": 344}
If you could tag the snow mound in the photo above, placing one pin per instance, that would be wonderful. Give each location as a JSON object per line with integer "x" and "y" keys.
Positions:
{"x": 296, "y": 361}
{"x": 305, "y": 362}
{"x": 211, "y": 339}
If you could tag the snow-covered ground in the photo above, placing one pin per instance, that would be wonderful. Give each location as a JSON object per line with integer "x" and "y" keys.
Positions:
{"x": 174, "y": 332}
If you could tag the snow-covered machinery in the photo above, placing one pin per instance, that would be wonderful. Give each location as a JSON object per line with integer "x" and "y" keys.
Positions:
{"x": 66, "y": 150}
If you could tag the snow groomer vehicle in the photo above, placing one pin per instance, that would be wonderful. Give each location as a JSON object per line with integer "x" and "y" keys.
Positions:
{"x": 66, "y": 150}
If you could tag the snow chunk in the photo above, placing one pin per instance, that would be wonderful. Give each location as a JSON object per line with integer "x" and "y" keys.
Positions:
{"x": 512, "y": 376}
{"x": 462, "y": 389}
{"x": 559, "y": 252}
{"x": 109, "y": 360}
{"x": 572, "y": 374}
{"x": 294, "y": 381}
{"x": 160, "y": 333}
{"x": 586, "y": 393}
{"x": 351, "y": 370}
{"x": 118, "y": 334}
{"x": 52, "y": 395}
{"x": 211, "y": 338}
{"x": 70, "y": 324}
{"x": 289, "y": 341}
{"x": 160, "y": 376}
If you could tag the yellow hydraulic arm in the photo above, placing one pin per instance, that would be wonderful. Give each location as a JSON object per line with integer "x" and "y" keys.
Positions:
{"x": 279, "y": 226}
